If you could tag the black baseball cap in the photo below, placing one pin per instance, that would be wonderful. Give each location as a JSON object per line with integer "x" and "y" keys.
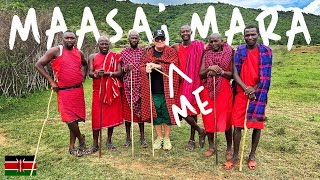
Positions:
{"x": 158, "y": 33}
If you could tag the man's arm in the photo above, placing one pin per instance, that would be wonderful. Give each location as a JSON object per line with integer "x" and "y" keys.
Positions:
{"x": 45, "y": 60}
{"x": 248, "y": 90}
{"x": 84, "y": 66}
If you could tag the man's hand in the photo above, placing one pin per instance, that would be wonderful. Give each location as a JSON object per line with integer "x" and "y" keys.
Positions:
{"x": 149, "y": 67}
{"x": 98, "y": 73}
{"x": 250, "y": 92}
{"x": 211, "y": 73}
{"x": 128, "y": 68}
{"x": 54, "y": 86}
{"x": 216, "y": 69}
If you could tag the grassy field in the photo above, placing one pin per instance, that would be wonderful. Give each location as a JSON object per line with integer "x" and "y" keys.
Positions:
{"x": 289, "y": 146}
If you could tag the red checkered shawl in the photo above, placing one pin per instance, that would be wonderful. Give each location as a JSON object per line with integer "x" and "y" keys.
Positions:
{"x": 132, "y": 56}
{"x": 222, "y": 59}
{"x": 168, "y": 57}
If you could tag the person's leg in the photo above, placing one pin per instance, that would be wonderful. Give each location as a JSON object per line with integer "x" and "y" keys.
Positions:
{"x": 255, "y": 141}
{"x": 143, "y": 142}
{"x": 166, "y": 140}
{"x": 95, "y": 137}
{"x": 72, "y": 140}
{"x": 141, "y": 128}
{"x": 228, "y": 135}
{"x": 236, "y": 143}
{"x": 192, "y": 129}
{"x": 211, "y": 148}
{"x": 159, "y": 131}
{"x": 167, "y": 130}
{"x": 202, "y": 132}
{"x": 128, "y": 138}
{"x": 109, "y": 144}
{"x": 74, "y": 129}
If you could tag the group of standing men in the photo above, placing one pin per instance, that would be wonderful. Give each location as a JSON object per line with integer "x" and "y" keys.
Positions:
{"x": 212, "y": 66}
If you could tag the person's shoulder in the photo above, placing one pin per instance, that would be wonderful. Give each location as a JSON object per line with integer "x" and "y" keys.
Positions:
{"x": 176, "y": 46}
{"x": 265, "y": 47}
{"x": 92, "y": 56}
{"x": 241, "y": 46}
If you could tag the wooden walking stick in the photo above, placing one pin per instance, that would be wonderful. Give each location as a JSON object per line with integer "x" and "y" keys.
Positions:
{"x": 215, "y": 119}
{"x": 244, "y": 136}
{"x": 151, "y": 114}
{"x": 44, "y": 122}
{"x": 100, "y": 140}
{"x": 131, "y": 104}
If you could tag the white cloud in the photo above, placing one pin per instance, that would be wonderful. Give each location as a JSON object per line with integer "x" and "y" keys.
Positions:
{"x": 313, "y": 8}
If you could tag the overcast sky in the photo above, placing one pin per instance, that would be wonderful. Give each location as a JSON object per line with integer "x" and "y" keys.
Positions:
{"x": 307, "y": 6}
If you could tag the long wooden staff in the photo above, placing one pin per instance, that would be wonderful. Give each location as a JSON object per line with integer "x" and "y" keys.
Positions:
{"x": 100, "y": 98}
{"x": 215, "y": 119}
{"x": 151, "y": 114}
{"x": 131, "y": 104}
{"x": 44, "y": 122}
{"x": 244, "y": 136}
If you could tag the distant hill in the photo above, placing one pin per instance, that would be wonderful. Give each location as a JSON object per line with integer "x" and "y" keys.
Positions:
{"x": 173, "y": 17}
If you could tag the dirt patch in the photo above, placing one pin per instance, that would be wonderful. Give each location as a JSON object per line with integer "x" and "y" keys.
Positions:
{"x": 2, "y": 138}
{"x": 305, "y": 49}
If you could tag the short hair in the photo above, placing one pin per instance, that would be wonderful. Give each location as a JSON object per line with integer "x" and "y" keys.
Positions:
{"x": 131, "y": 31}
{"x": 68, "y": 31}
{"x": 250, "y": 27}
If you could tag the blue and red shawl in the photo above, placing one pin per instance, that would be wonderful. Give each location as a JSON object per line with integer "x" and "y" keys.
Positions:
{"x": 256, "y": 109}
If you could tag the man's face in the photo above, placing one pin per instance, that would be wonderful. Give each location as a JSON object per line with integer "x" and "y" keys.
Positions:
{"x": 134, "y": 40}
{"x": 159, "y": 42}
{"x": 216, "y": 43}
{"x": 251, "y": 36}
{"x": 69, "y": 39}
{"x": 185, "y": 33}
{"x": 104, "y": 46}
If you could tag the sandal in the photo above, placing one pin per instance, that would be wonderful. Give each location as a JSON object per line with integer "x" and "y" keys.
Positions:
{"x": 127, "y": 144}
{"x": 229, "y": 165}
{"x": 111, "y": 147}
{"x": 209, "y": 152}
{"x": 92, "y": 150}
{"x": 229, "y": 155}
{"x": 73, "y": 151}
{"x": 143, "y": 143}
{"x": 191, "y": 145}
{"x": 82, "y": 147}
{"x": 252, "y": 165}
{"x": 202, "y": 138}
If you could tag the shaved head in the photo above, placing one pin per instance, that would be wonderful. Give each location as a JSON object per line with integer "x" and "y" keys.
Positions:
{"x": 185, "y": 27}
{"x": 216, "y": 35}
{"x": 103, "y": 38}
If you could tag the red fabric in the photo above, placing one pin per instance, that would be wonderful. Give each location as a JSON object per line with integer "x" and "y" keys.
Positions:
{"x": 132, "y": 56}
{"x": 223, "y": 110}
{"x": 169, "y": 56}
{"x": 126, "y": 111}
{"x": 67, "y": 69}
{"x": 250, "y": 76}
{"x": 222, "y": 59}
{"x": 112, "y": 109}
{"x": 189, "y": 63}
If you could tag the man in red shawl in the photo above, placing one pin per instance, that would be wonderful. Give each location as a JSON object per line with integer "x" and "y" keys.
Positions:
{"x": 105, "y": 70}
{"x": 67, "y": 63}
{"x": 131, "y": 59}
{"x": 159, "y": 57}
{"x": 190, "y": 54}
{"x": 217, "y": 63}
{"x": 252, "y": 73}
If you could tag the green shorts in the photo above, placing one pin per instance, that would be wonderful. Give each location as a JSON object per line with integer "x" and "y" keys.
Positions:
{"x": 159, "y": 101}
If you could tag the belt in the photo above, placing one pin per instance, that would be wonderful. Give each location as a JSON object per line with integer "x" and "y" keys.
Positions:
{"x": 71, "y": 87}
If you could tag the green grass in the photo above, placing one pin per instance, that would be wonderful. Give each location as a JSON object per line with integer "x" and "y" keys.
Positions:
{"x": 289, "y": 146}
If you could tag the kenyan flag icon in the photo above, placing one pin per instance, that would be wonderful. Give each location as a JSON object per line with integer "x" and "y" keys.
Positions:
{"x": 19, "y": 166}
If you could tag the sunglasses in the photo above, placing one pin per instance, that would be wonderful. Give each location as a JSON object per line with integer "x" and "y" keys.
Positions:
{"x": 160, "y": 38}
